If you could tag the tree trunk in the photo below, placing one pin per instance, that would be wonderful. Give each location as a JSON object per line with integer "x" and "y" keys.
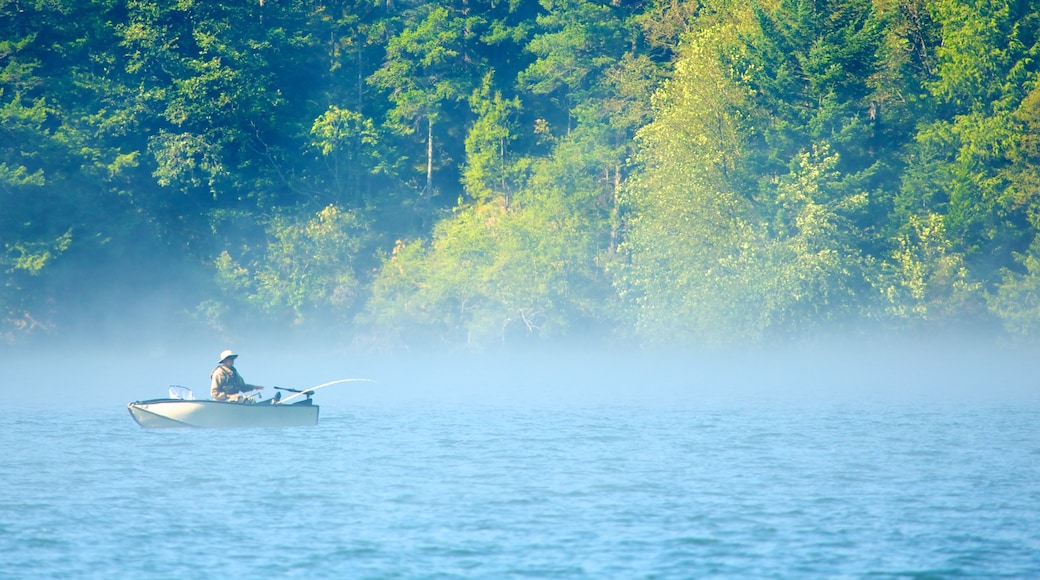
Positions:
{"x": 429, "y": 156}
{"x": 615, "y": 212}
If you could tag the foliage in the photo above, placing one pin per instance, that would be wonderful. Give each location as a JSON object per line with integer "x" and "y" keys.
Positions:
{"x": 926, "y": 280}
{"x": 404, "y": 174}
{"x": 306, "y": 268}
{"x": 493, "y": 274}
{"x": 1017, "y": 300}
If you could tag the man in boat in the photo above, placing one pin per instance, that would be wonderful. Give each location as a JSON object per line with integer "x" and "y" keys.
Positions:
{"x": 227, "y": 384}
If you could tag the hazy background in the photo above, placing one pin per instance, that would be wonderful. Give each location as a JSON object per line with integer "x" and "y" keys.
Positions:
{"x": 99, "y": 374}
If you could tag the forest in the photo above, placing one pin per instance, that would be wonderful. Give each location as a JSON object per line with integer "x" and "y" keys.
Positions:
{"x": 467, "y": 174}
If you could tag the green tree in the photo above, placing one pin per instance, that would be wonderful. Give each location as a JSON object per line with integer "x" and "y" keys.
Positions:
{"x": 963, "y": 164}
{"x": 222, "y": 92}
{"x": 814, "y": 277}
{"x": 425, "y": 74}
{"x": 925, "y": 282}
{"x": 491, "y": 164}
{"x": 347, "y": 141}
{"x": 60, "y": 179}
{"x": 492, "y": 274}
{"x": 690, "y": 233}
{"x": 574, "y": 40}
{"x": 1016, "y": 299}
{"x": 743, "y": 213}
{"x": 304, "y": 275}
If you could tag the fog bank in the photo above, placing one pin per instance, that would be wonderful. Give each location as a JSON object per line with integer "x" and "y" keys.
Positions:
{"x": 924, "y": 373}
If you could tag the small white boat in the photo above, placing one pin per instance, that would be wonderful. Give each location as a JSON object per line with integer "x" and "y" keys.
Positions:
{"x": 182, "y": 410}
{"x": 168, "y": 413}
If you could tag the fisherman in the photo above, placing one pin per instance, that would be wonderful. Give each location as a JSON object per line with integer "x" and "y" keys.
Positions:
{"x": 227, "y": 384}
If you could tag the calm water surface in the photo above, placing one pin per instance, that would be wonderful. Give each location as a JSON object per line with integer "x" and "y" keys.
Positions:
{"x": 597, "y": 492}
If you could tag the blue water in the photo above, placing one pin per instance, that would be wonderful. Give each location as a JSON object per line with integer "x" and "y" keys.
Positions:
{"x": 575, "y": 492}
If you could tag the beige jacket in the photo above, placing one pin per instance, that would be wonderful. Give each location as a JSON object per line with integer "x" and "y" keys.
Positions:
{"x": 225, "y": 381}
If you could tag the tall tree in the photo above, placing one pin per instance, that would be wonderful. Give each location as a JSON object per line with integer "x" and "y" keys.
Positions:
{"x": 426, "y": 72}
{"x": 492, "y": 166}
{"x": 963, "y": 162}
{"x": 60, "y": 180}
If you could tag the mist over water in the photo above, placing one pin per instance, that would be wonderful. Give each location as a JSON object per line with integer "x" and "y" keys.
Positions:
{"x": 927, "y": 373}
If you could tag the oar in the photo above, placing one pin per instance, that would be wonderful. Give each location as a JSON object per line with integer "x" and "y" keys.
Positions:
{"x": 311, "y": 390}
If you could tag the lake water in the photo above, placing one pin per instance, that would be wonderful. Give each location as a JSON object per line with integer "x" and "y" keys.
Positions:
{"x": 614, "y": 491}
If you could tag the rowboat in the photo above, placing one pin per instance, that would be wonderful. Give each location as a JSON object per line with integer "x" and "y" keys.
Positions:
{"x": 181, "y": 409}
{"x": 170, "y": 413}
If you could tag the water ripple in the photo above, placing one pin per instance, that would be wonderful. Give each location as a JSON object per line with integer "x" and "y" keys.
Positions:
{"x": 571, "y": 493}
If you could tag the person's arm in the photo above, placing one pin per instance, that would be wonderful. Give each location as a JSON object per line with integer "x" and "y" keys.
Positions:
{"x": 243, "y": 386}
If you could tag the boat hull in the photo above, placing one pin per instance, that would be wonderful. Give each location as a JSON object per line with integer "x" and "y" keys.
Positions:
{"x": 176, "y": 413}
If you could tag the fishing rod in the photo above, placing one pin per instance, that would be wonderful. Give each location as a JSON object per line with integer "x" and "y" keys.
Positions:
{"x": 310, "y": 391}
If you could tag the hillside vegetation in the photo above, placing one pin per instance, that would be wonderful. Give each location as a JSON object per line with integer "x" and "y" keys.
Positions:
{"x": 397, "y": 174}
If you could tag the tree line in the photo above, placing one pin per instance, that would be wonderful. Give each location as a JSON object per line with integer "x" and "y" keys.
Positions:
{"x": 395, "y": 174}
